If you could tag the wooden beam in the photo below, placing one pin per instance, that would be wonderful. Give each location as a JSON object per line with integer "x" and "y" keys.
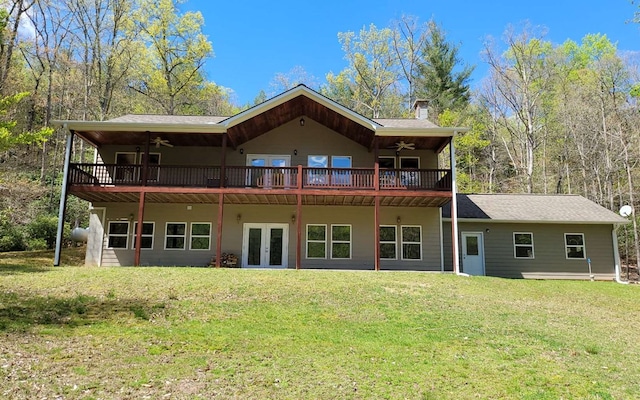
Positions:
{"x": 223, "y": 161}
{"x": 443, "y": 145}
{"x": 136, "y": 257}
{"x": 219, "y": 232}
{"x": 145, "y": 165}
{"x": 376, "y": 223}
{"x": 299, "y": 221}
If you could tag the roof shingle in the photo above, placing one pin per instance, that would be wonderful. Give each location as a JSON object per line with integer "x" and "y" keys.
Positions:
{"x": 532, "y": 208}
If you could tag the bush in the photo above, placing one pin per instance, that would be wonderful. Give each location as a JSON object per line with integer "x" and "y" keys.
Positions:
{"x": 11, "y": 237}
{"x": 36, "y": 244}
{"x": 43, "y": 227}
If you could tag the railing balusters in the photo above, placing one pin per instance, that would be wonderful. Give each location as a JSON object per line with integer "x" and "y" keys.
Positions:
{"x": 260, "y": 177}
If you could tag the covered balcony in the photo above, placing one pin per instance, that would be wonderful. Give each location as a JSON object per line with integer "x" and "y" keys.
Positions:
{"x": 262, "y": 185}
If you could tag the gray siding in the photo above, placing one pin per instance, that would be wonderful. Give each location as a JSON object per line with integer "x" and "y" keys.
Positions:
{"x": 361, "y": 220}
{"x": 550, "y": 258}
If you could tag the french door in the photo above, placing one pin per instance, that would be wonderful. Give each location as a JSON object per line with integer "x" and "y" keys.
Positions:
{"x": 265, "y": 245}
{"x": 268, "y": 177}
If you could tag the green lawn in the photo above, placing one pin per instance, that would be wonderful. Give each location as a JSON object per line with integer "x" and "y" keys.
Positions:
{"x": 76, "y": 332}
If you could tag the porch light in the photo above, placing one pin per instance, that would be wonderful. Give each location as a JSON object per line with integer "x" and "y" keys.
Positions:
{"x": 302, "y": 121}
{"x": 398, "y": 220}
{"x": 293, "y": 218}
{"x": 241, "y": 151}
{"x": 238, "y": 217}
{"x": 295, "y": 152}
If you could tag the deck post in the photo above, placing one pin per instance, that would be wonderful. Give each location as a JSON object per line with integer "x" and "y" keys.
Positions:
{"x": 454, "y": 210}
{"x": 63, "y": 198}
{"x": 299, "y": 220}
{"x": 145, "y": 175}
{"x": 136, "y": 256}
{"x": 376, "y": 207}
{"x": 223, "y": 161}
{"x": 219, "y": 232}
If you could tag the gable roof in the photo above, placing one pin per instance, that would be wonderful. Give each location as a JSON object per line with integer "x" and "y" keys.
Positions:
{"x": 290, "y": 105}
{"x": 531, "y": 208}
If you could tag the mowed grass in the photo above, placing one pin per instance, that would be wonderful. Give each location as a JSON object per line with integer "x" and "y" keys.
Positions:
{"x": 182, "y": 333}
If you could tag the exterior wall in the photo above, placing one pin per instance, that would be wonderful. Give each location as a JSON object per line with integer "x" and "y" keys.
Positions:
{"x": 549, "y": 250}
{"x": 361, "y": 220}
{"x": 311, "y": 139}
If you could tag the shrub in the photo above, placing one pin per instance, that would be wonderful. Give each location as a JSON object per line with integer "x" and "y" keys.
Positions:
{"x": 11, "y": 236}
{"x": 43, "y": 227}
{"x": 36, "y": 244}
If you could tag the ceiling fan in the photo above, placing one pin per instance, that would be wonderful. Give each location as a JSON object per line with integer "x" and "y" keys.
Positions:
{"x": 402, "y": 145}
{"x": 159, "y": 141}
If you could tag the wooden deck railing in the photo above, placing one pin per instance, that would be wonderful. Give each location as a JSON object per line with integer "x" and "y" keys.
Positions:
{"x": 259, "y": 177}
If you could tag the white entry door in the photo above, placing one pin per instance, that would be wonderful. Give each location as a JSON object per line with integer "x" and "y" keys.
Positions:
{"x": 472, "y": 253}
{"x": 265, "y": 245}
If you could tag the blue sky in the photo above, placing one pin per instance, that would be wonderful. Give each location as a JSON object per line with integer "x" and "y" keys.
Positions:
{"x": 255, "y": 40}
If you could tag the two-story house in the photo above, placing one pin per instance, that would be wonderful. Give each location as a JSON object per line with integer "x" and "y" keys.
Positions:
{"x": 298, "y": 181}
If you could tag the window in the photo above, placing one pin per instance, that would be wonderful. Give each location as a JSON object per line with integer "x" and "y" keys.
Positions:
{"x": 385, "y": 162}
{"x": 316, "y": 241}
{"x": 574, "y": 245}
{"x": 410, "y": 178}
{"x": 410, "y": 162}
{"x": 341, "y": 241}
{"x": 411, "y": 242}
{"x": 388, "y": 243}
{"x": 153, "y": 172}
{"x": 126, "y": 167}
{"x": 175, "y": 235}
{"x": 523, "y": 245}
{"x": 118, "y": 235}
{"x": 317, "y": 176}
{"x": 200, "y": 236}
{"x": 341, "y": 177}
{"x": 146, "y": 239}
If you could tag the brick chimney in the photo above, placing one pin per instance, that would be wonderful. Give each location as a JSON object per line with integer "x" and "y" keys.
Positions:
{"x": 420, "y": 108}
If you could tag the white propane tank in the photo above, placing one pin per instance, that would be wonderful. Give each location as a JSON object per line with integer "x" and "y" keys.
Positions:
{"x": 79, "y": 234}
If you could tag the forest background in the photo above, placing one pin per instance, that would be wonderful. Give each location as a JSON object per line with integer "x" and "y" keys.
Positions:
{"x": 547, "y": 117}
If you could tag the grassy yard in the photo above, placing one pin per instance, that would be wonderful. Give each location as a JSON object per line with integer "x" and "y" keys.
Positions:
{"x": 182, "y": 333}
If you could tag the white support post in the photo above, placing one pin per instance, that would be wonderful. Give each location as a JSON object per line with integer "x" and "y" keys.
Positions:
{"x": 454, "y": 209}
{"x": 63, "y": 197}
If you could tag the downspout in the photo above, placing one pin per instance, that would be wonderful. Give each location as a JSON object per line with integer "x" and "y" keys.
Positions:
{"x": 454, "y": 210}
{"x": 63, "y": 197}
{"x": 616, "y": 256}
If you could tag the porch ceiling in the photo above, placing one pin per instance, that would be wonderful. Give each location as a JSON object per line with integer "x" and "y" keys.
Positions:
{"x": 100, "y": 138}
{"x": 262, "y": 198}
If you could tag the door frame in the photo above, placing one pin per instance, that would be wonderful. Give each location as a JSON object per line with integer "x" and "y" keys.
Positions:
{"x": 480, "y": 236}
{"x": 264, "y": 259}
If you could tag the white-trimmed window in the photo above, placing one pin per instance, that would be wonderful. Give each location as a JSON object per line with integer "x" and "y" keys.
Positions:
{"x": 146, "y": 239}
{"x": 126, "y": 170}
{"x": 388, "y": 242}
{"x": 175, "y": 236}
{"x": 574, "y": 245}
{"x": 341, "y": 241}
{"x": 316, "y": 241}
{"x": 411, "y": 238}
{"x": 523, "y": 245}
{"x": 118, "y": 236}
{"x": 200, "y": 236}
{"x": 154, "y": 166}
